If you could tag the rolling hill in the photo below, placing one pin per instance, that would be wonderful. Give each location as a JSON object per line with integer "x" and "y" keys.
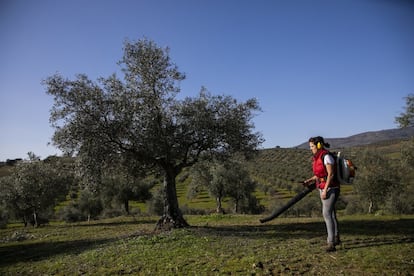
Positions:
{"x": 367, "y": 138}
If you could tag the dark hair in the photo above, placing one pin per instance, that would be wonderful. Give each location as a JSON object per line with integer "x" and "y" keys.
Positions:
{"x": 319, "y": 139}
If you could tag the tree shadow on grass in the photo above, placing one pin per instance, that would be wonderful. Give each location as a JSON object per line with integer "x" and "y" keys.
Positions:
{"x": 35, "y": 251}
{"x": 355, "y": 233}
{"x": 374, "y": 241}
{"x": 271, "y": 231}
{"x": 367, "y": 233}
{"x": 39, "y": 251}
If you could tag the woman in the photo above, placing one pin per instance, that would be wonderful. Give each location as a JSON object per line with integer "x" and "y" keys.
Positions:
{"x": 324, "y": 175}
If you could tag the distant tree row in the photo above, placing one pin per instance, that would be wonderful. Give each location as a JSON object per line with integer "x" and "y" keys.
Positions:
{"x": 35, "y": 188}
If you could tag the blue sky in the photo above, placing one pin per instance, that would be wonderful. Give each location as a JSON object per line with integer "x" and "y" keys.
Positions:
{"x": 333, "y": 68}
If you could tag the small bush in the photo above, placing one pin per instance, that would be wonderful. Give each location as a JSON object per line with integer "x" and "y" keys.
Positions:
{"x": 251, "y": 205}
{"x": 112, "y": 213}
{"x": 354, "y": 206}
{"x": 71, "y": 213}
{"x": 192, "y": 211}
{"x": 400, "y": 202}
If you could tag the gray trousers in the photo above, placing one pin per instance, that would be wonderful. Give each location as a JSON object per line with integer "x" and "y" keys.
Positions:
{"x": 329, "y": 213}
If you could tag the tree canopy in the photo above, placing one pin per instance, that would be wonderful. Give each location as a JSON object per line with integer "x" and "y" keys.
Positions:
{"x": 34, "y": 187}
{"x": 376, "y": 179}
{"x": 406, "y": 119}
{"x": 223, "y": 179}
{"x": 140, "y": 122}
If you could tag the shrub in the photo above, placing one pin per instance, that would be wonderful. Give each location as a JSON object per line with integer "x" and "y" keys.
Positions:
{"x": 71, "y": 213}
{"x": 112, "y": 213}
{"x": 192, "y": 211}
{"x": 251, "y": 205}
{"x": 400, "y": 202}
{"x": 354, "y": 206}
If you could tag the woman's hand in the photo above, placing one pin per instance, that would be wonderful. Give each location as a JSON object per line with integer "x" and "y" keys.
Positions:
{"x": 308, "y": 181}
{"x": 323, "y": 194}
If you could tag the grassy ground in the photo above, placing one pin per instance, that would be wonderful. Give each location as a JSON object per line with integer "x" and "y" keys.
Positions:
{"x": 214, "y": 245}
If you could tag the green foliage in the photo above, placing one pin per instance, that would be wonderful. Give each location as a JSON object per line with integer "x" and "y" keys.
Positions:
{"x": 225, "y": 179}
{"x": 280, "y": 167}
{"x": 376, "y": 179}
{"x": 407, "y": 157}
{"x": 272, "y": 190}
{"x": 34, "y": 188}
{"x": 71, "y": 213}
{"x": 406, "y": 119}
{"x": 90, "y": 204}
{"x": 401, "y": 199}
{"x": 140, "y": 122}
{"x": 118, "y": 189}
{"x": 5, "y": 170}
{"x": 355, "y": 206}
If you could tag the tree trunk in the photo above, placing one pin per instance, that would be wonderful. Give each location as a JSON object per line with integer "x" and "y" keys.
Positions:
{"x": 35, "y": 224}
{"x": 126, "y": 206}
{"x": 172, "y": 217}
{"x": 236, "y": 206}
{"x": 370, "y": 207}
{"x": 219, "y": 208}
{"x": 25, "y": 220}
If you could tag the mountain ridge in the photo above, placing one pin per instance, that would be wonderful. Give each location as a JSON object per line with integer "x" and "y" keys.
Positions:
{"x": 366, "y": 138}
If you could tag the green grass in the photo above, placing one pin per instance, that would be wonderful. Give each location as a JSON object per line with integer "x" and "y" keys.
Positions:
{"x": 213, "y": 245}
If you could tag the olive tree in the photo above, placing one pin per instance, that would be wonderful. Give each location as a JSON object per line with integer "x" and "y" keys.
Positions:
{"x": 33, "y": 188}
{"x": 406, "y": 119}
{"x": 376, "y": 179}
{"x": 139, "y": 119}
{"x": 120, "y": 188}
{"x": 401, "y": 200}
{"x": 222, "y": 179}
{"x": 203, "y": 177}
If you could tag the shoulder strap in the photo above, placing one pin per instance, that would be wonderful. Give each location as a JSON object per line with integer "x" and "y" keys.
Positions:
{"x": 327, "y": 153}
{"x": 334, "y": 158}
{"x": 336, "y": 165}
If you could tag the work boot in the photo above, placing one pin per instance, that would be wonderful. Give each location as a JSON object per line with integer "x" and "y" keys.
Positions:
{"x": 337, "y": 240}
{"x": 330, "y": 247}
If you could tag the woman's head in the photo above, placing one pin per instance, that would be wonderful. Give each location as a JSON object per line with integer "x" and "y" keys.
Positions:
{"x": 317, "y": 143}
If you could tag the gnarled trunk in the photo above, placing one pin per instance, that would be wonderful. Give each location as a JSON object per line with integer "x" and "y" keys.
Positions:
{"x": 172, "y": 217}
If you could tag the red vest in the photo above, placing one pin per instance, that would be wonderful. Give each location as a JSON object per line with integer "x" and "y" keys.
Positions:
{"x": 319, "y": 170}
